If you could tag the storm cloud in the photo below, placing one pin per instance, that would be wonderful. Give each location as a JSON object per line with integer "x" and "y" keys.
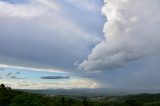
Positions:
{"x": 131, "y": 33}
{"x": 128, "y": 58}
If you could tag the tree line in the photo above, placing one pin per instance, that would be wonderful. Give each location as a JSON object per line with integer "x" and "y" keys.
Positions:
{"x": 9, "y": 97}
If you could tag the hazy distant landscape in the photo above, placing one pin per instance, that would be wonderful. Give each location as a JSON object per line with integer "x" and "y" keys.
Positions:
{"x": 97, "y": 92}
{"x": 9, "y": 97}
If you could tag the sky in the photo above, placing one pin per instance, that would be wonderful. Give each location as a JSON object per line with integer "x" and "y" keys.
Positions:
{"x": 54, "y": 44}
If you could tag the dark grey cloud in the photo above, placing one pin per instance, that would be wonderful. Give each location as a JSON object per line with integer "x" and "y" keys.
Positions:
{"x": 141, "y": 74}
{"x": 55, "y": 77}
{"x": 15, "y": 75}
{"x": 18, "y": 72}
{"x": 9, "y": 74}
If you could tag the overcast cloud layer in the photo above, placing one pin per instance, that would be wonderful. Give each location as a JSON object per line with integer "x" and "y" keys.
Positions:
{"x": 46, "y": 33}
{"x": 43, "y": 41}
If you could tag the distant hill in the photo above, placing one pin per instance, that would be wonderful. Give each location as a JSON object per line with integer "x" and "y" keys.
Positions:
{"x": 77, "y": 92}
{"x": 9, "y": 97}
{"x": 90, "y": 92}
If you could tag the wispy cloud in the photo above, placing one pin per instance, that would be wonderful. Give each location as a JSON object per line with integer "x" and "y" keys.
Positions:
{"x": 19, "y": 10}
{"x": 90, "y": 5}
{"x": 32, "y": 69}
{"x": 50, "y": 4}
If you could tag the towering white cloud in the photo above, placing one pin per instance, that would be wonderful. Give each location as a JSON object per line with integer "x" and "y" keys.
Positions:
{"x": 131, "y": 33}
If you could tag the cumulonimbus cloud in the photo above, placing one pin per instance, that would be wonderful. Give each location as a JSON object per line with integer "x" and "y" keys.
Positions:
{"x": 131, "y": 33}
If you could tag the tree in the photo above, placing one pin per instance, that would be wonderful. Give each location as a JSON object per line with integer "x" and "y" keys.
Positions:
{"x": 63, "y": 101}
{"x": 2, "y": 86}
{"x": 85, "y": 101}
{"x": 133, "y": 102}
{"x": 26, "y": 100}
